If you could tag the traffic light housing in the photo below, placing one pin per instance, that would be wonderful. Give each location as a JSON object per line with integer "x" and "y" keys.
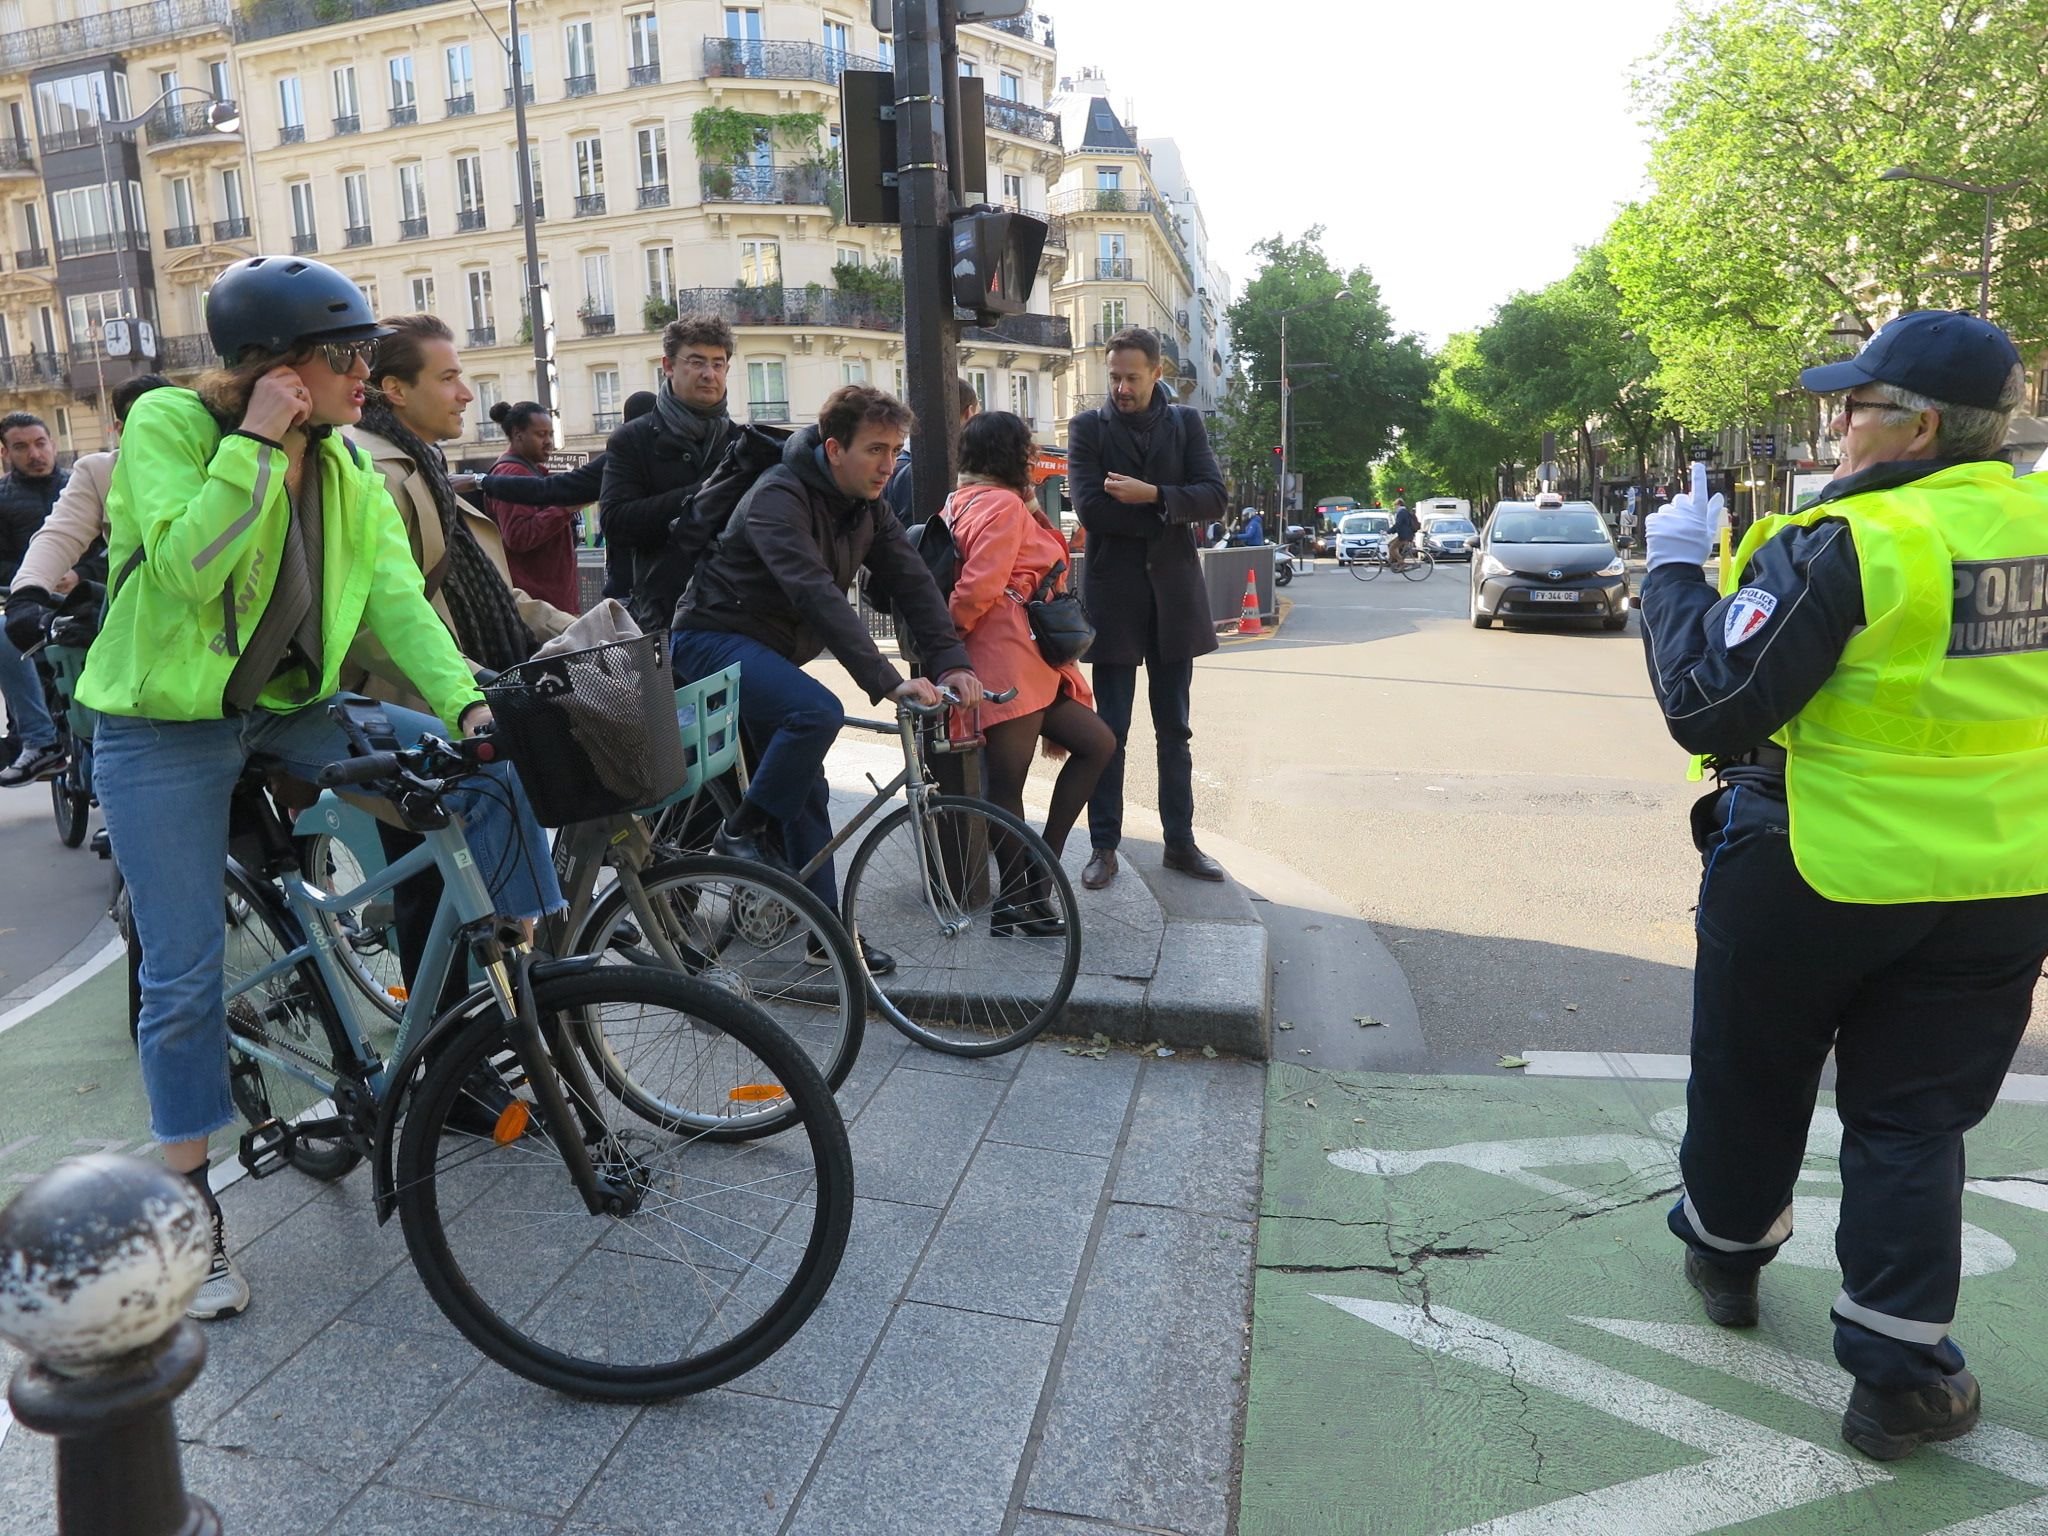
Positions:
{"x": 995, "y": 260}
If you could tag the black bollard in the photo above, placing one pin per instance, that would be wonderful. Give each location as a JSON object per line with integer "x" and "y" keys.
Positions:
{"x": 98, "y": 1260}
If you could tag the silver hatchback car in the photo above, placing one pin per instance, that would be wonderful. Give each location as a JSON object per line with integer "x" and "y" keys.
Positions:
{"x": 1538, "y": 564}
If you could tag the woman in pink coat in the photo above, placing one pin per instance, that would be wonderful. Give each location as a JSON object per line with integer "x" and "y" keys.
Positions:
{"x": 1006, "y": 548}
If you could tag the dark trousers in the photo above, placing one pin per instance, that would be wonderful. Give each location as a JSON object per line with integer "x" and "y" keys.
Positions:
{"x": 1167, "y": 684}
{"x": 792, "y": 720}
{"x": 1923, "y": 1004}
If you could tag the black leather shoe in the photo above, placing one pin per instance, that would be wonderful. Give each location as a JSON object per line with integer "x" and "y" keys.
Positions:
{"x": 1192, "y": 862}
{"x": 1888, "y": 1425}
{"x": 1101, "y": 869}
{"x": 750, "y": 846}
{"x": 878, "y": 961}
{"x": 1729, "y": 1294}
{"x": 1033, "y": 919}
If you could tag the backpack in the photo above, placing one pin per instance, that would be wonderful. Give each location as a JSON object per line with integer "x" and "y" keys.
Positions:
{"x": 659, "y": 580}
{"x": 933, "y": 541}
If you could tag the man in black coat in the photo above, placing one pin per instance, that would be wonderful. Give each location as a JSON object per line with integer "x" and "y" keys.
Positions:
{"x": 771, "y": 594}
{"x": 1143, "y": 480}
{"x": 652, "y": 465}
{"x": 27, "y": 492}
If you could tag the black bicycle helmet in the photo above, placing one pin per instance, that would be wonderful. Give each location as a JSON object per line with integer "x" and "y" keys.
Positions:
{"x": 274, "y": 302}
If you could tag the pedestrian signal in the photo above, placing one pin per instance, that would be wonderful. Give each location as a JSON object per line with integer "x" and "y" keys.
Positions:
{"x": 995, "y": 260}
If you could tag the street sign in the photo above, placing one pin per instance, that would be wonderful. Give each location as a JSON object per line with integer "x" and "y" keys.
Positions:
{"x": 1549, "y": 472}
{"x": 1702, "y": 453}
{"x": 1763, "y": 445}
{"x": 566, "y": 459}
{"x": 1293, "y": 499}
{"x": 867, "y": 138}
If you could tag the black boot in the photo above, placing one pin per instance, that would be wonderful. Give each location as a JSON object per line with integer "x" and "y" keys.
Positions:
{"x": 1729, "y": 1294}
{"x": 1025, "y": 910}
{"x": 1889, "y": 1425}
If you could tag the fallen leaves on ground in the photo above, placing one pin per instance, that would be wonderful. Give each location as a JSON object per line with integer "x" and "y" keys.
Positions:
{"x": 1512, "y": 1061}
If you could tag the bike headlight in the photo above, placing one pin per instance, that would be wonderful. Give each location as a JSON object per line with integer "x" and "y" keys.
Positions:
{"x": 1488, "y": 566}
{"x": 1614, "y": 567}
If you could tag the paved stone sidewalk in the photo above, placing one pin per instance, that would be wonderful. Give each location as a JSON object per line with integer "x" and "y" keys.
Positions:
{"x": 1039, "y": 1330}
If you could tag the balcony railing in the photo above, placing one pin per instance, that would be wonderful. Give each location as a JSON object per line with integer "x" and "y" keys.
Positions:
{"x": 231, "y": 229}
{"x": 180, "y": 122}
{"x": 605, "y": 423}
{"x": 1113, "y": 269}
{"x": 184, "y": 354}
{"x": 1032, "y": 28}
{"x": 489, "y": 432}
{"x": 305, "y": 245}
{"x": 34, "y": 256}
{"x": 38, "y": 370}
{"x": 461, "y": 106}
{"x": 1026, "y": 122}
{"x": 579, "y": 85}
{"x": 540, "y": 211}
{"x": 274, "y": 18}
{"x": 111, "y": 31}
{"x": 654, "y": 196}
{"x": 292, "y": 133}
{"x": 1026, "y": 330}
{"x": 768, "y": 410}
{"x": 483, "y": 335}
{"x": 71, "y": 138}
{"x": 99, "y": 245}
{"x": 356, "y": 234}
{"x": 589, "y": 204}
{"x": 353, "y": 123}
{"x": 597, "y": 322}
{"x": 779, "y": 305}
{"x": 412, "y": 229}
{"x": 15, "y": 156}
{"x": 178, "y": 236}
{"x": 525, "y": 91}
{"x": 406, "y": 116}
{"x": 735, "y": 58}
{"x": 469, "y": 218}
{"x": 643, "y": 74}
{"x": 798, "y": 184}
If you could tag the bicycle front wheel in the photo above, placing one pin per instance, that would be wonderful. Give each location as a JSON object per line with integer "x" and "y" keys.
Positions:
{"x": 710, "y": 1254}
{"x": 1367, "y": 570}
{"x": 979, "y": 917}
{"x": 1419, "y": 566}
{"x": 748, "y": 929}
{"x": 362, "y": 939}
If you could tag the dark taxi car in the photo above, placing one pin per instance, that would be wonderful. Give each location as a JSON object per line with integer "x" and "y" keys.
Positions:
{"x": 1543, "y": 563}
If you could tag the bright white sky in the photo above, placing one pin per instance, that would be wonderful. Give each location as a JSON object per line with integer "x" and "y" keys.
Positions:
{"x": 1459, "y": 149}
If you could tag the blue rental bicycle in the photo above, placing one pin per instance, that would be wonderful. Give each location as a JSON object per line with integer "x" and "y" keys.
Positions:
{"x": 622, "y": 1241}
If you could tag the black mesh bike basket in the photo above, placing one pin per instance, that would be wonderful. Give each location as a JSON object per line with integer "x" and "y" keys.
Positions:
{"x": 592, "y": 733}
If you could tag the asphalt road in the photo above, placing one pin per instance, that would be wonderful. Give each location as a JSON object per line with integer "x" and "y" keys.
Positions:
{"x": 1503, "y": 806}
{"x": 50, "y": 895}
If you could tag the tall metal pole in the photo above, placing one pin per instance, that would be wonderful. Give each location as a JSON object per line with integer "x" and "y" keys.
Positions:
{"x": 930, "y": 335}
{"x": 544, "y": 394}
{"x": 99, "y": 367}
{"x": 1984, "y": 276}
{"x": 1285, "y": 445}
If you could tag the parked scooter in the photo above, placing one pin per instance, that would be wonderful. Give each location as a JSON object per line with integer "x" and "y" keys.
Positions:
{"x": 1283, "y": 566}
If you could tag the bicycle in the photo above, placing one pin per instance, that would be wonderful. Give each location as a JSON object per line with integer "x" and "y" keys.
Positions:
{"x": 66, "y": 638}
{"x": 1416, "y": 567}
{"x": 571, "y": 1237}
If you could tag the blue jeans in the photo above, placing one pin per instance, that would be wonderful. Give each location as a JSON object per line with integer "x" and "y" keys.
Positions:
{"x": 164, "y": 786}
{"x": 791, "y": 720}
{"x": 22, "y": 687}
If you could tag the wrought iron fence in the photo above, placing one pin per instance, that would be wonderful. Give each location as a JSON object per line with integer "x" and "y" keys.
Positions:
{"x": 178, "y": 236}
{"x": 597, "y": 322}
{"x": 1021, "y": 119}
{"x": 604, "y": 423}
{"x": 1025, "y": 330}
{"x": 292, "y": 133}
{"x": 183, "y": 354}
{"x": 412, "y": 229}
{"x": 525, "y": 91}
{"x": 15, "y": 156}
{"x": 469, "y": 218}
{"x": 643, "y": 74}
{"x": 776, "y": 304}
{"x": 580, "y": 85}
{"x": 34, "y": 256}
{"x": 405, "y": 117}
{"x": 1114, "y": 269}
{"x": 356, "y": 234}
{"x": 589, "y": 204}
{"x": 794, "y": 184}
{"x": 483, "y": 335}
{"x": 179, "y": 121}
{"x": 760, "y": 58}
{"x": 353, "y": 123}
{"x": 461, "y": 106}
{"x": 305, "y": 245}
{"x": 274, "y": 18}
{"x": 768, "y": 410}
{"x": 111, "y": 31}
{"x": 655, "y": 196}
{"x": 231, "y": 229}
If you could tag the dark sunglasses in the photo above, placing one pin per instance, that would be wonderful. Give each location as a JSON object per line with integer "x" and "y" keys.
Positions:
{"x": 1850, "y": 406}
{"x": 342, "y": 356}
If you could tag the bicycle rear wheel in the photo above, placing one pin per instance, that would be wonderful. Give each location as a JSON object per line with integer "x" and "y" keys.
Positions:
{"x": 1419, "y": 565}
{"x": 717, "y": 1251}
{"x": 289, "y": 1015}
{"x": 970, "y": 980}
{"x": 1367, "y": 570}
{"x": 72, "y": 806}
{"x": 748, "y": 929}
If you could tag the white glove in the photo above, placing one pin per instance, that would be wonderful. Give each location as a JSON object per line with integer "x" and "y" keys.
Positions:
{"x": 1677, "y": 534}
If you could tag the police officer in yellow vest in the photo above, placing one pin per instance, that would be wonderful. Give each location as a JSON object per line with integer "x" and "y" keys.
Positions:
{"x": 1872, "y": 692}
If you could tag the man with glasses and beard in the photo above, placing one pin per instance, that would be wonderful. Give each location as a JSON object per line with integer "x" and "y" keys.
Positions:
{"x": 1872, "y": 695}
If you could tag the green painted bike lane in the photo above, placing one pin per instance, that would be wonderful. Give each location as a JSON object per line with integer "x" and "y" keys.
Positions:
{"x": 1469, "y": 1317}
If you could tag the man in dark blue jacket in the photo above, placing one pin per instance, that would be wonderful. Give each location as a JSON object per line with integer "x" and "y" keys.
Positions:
{"x": 899, "y": 493}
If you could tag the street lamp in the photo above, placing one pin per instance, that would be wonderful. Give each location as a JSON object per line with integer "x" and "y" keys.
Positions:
{"x": 1991, "y": 195}
{"x": 1287, "y": 389}
{"x": 222, "y": 117}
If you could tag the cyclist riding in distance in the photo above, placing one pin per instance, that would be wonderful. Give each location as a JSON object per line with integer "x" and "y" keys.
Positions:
{"x": 770, "y": 594}
{"x": 249, "y": 544}
{"x": 1401, "y": 545}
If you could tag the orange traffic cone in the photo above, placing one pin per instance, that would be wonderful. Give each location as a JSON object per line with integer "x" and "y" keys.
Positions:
{"x": 1248, "y": 612}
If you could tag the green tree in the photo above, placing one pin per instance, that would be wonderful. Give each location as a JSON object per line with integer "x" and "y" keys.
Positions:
{"x": 1769, "y": 241}
{"x": 1354, "y": 379}
{"x": 1464, "y": 445}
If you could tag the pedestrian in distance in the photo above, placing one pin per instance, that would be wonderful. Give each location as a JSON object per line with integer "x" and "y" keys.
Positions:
{"x": 1143, "y": 481}
{"x": 655, "y": 462}
{"x": 771, "y": 594}
{"x": 900, "y": 495}
{"x": 28, "y": 491}
{"x": 540, "y": 542}
{"x": 1872, "y": 695}
{"x": 251, "y": 544}
{"x": 1009, "y": 551}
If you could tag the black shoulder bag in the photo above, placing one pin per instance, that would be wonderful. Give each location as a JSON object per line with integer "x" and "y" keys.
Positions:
{"x": 1058, "y": 621}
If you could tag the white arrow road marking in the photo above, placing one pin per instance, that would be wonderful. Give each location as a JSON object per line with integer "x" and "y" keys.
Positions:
{"x": 1752, "y": 1471}
{"x": 1649, "y": 1160}
{"x": 2033, "y": 1196}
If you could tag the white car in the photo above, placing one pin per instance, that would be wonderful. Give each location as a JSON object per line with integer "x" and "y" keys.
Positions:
{"x": 1363, "y": 535}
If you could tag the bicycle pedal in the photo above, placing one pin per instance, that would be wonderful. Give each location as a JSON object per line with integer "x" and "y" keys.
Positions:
{"x": 266, "y": 1149}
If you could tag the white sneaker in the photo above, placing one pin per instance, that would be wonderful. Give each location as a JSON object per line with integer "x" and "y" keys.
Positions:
{"x": 224, "y": 1292}
{"x": 33, "y": 763}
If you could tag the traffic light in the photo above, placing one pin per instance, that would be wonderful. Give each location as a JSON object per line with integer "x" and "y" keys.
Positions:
{"x": 1276, "y": 450}
{"x": 995, "y": 260}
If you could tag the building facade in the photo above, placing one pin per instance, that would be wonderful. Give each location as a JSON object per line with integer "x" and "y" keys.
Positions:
{"x": 685, "y": 158}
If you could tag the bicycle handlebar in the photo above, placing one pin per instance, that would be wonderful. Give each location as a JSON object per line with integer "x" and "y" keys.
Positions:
{"x": 426, "y": 766}
{"x": 361, "y": 770}
{"x": 948, "y": 699}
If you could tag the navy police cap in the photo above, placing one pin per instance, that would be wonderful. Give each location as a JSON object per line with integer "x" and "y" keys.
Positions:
{"x": 1943, "y": 354}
